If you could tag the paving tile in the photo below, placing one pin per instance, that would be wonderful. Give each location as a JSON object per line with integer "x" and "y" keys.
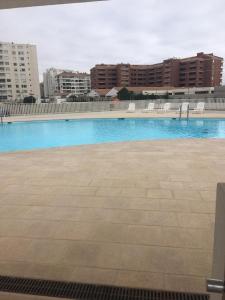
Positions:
{"x": 171, "y": 185}
{"x": 94, "y": 275}
{"x": 194, "y": 220}
{"x": 133, "y": 192}
{"x": 183, "y": 283}
{"x": 198, "y": 262}
{"x": 143, "y": 204}
{"x": 145, "y": 280}
{"x": 159, "y": 193}
{"x": 161, "y": 218}
{"x": 108, "y": 191}
{"x": 143, "y": 235}
{"x": 187, "y": 238}
{"x": 12, "y": 296}
{"x": 143, "y": 258}
{"x": 171, "y": 205}
{"x": 208, "y": 195}
{"x": 90, "y": 254}
{"x": 186, "y": 194}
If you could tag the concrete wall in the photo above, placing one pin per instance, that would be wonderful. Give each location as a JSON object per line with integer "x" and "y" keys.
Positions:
{"x": 219, "y": 91}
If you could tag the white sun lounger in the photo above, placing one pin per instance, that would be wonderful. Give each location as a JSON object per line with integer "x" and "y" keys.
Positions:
{"x": 131, "y": 108}
{"x": 199, "y": 108}
{"x": 150, "y": 108}
{"x": 165, "y": 107}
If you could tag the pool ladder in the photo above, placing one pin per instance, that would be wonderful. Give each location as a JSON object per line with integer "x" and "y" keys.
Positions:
{"x": 180, "y": 112}
{"x": 1, "y": 118}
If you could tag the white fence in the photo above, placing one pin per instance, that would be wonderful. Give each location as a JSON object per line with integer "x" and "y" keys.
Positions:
{"x": 81, "y": 107}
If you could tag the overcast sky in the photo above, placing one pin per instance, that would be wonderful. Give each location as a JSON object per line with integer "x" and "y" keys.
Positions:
{"x": 78, "y": 36}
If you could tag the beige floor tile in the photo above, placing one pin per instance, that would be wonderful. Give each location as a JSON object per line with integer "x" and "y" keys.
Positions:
{"x": 140, "y": 279}
{"x": 143, "y": 235}
{"x": 194, "y": 220}
{"x": 159, "y": 193}
{"x": 186, "y": 194}
{"x": 187, "y": 238}
{"x": 171, "y": 205}
{"x": 208, "y": 195}
{"x": 185, "y": 283}
{"x": 171, "y": 185}
{"x": 94, "y": 275}
{"x": 198, "y": 262}
{"x": 11, "y": 296}
{"x": 161, "y": 218}
{"x": 133, "y": 192}
{"x": 108, "y": 191}
{"x": 90, "y": 254}
{"x": 143, "y": 258}
{"x": 144, "y": 204}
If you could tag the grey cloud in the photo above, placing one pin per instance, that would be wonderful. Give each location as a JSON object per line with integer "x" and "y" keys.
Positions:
{"x": 137, "y": 31}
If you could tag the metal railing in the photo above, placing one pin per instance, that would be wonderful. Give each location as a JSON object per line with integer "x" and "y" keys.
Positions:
{"x": 13, "y": 109}
{"x": 187, "y": 111}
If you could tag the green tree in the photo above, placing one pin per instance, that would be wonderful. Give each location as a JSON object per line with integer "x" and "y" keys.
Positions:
{"x": 72, "y": 98}
{"x": 166, "y": 96}
{"x": 124, "y": 94}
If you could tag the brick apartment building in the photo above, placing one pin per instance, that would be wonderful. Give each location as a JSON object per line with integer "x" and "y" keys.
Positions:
{"x": 202, "y": 70}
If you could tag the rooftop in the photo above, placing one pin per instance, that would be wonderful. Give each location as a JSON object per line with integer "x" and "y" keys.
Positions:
{"x": 72, "y": 74}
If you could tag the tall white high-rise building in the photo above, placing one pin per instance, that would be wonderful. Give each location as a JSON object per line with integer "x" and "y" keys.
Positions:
{"x": 18, "y": 72}
{"x": 49, "y": 80}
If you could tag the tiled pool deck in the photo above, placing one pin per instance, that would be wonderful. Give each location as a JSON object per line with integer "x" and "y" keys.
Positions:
{"x": 138, "y": 214}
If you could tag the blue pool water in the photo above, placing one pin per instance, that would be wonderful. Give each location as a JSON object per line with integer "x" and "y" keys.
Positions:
{"x": 47, "y": 134}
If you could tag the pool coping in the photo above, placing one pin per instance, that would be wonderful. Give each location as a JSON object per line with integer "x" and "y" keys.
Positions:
{"x": 111, "y": 114}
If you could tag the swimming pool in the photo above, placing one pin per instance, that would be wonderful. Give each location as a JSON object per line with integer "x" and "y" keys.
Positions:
{"x": 47, "y": 134}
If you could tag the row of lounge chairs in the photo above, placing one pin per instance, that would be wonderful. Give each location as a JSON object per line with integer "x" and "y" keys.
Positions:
{"x": 166, "y": 107}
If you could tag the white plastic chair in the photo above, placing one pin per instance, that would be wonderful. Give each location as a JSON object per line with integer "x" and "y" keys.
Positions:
{"x": 150, "y": 108}
{"x": 131, "y": 108}
{"x": 165, "y": 107}
{"x": 199, "y": 108}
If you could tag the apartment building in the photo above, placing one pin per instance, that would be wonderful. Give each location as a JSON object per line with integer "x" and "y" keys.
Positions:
{"x": 73, "y": 83}
{"x": 18, "y": 72}
{"x": 50, "y": 81}
{"x": 202, "y": 70}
